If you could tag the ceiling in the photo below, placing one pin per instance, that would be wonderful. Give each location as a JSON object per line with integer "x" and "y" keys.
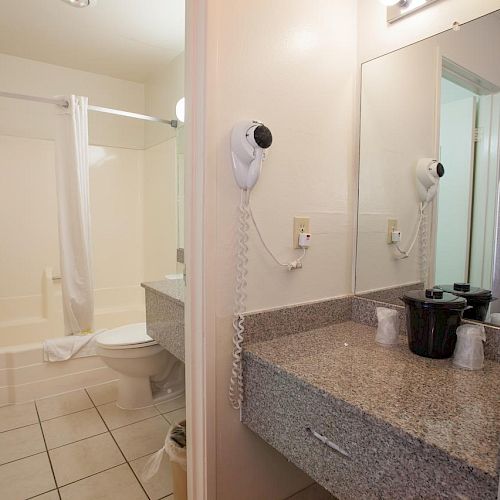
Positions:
{"x": 128, "y": 39}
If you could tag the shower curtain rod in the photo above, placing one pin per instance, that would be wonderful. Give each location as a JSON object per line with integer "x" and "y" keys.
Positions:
{"x": 99, "y": 109}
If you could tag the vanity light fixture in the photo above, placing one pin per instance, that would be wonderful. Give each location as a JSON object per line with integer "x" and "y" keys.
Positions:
{"x": 396, "y": 9}
{"x": 390, "y": 3}
{"x": 80, "y": 3}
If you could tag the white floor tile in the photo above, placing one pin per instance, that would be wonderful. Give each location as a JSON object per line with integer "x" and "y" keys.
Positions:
{"x": 51, "y": 495}
{"x": 70, "y": 428}
{"x": 14, "y": 416}
{"x": 116, "y": 417}
{"x": 114, "y": 484}
{"x": 26, "y": 478}
{"x": 174, "y": 404}
{"x": 84, "y": 458}
{"x": 103, "y": 393}
{"x": 176, "y": 416}
{"x": 63, "y": 404}
{"x": 20, "y": 443}
{"x": 142, "y": 438}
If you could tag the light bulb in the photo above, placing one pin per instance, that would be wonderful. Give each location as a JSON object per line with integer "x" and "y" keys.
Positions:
{"x": 389, "y": 3}
{"x": 81, "y": 3}
{"x": 180, "y": 109}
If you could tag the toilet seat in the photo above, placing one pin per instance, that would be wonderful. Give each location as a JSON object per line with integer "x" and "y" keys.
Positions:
{"x": 126, "y": 337}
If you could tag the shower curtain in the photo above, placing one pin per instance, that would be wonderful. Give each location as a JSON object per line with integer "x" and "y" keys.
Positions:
{"x": 73, "y": 200}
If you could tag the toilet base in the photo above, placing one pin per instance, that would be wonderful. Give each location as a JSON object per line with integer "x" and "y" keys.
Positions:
{"x": 134, "y": 393}
{"x": 163, "y": 397}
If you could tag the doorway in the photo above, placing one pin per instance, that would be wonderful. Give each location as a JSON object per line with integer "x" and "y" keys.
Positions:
{"x": 467, "y": 204}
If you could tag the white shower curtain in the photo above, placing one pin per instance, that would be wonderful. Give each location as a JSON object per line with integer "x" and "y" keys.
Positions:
{"x": 73, "y": 196}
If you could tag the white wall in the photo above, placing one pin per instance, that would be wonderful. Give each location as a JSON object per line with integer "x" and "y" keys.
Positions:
{"x": 376, "y": 37}
{"x": 163, "y": 90}
{"x": 161, "y": 175}
{"x": 292, "y": 65}
{"x": 396, "y": 132}
{"x": 26, "y": 119}
{"x": 160, "y": 210}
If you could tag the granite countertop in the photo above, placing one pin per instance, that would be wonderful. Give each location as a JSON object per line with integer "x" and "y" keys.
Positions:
{"x": 454, "y": 410}
{"x": 172, "y": 288}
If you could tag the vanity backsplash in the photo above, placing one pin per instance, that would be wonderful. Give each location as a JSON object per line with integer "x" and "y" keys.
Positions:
{"x": 274, "y": 323}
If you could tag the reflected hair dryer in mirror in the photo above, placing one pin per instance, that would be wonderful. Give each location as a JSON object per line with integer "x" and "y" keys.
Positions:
{"x": 429, "y": 172}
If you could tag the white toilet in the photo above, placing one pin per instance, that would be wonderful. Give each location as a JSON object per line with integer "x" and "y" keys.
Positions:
{"x": 148, "y": 372}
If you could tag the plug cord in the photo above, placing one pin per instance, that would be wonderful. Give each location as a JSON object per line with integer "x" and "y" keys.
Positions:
{"x": 295, "y": 264}
{"x": 421, "y": 229}
{"x": 240, "y": 295}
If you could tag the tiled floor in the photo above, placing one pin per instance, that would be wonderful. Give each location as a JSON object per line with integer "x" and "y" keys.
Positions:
{"x": 81, "y": 446}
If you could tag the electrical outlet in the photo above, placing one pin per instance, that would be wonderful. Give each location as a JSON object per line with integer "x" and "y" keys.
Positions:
{"x": 391, "y": 225}
{"x": 300, "y": 225}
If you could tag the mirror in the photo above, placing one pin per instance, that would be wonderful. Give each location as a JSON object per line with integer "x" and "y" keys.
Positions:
{"x": 431, "y": 105}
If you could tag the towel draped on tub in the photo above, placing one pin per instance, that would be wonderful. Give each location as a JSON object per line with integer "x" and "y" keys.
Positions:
{"x": 73, "y": 346}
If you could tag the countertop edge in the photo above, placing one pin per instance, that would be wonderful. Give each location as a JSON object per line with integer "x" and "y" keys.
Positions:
{"x": 150, "y": 288}
{"x": 280, "y": 371}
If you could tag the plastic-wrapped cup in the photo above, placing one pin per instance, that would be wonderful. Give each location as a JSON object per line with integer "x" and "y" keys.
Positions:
{"x": 495, "y": 319}
{"x": 469, "y": 349}
{"x": 388, "y": 326}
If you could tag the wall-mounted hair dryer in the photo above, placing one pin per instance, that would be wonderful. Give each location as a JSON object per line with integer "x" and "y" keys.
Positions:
{"x": 249, "y": 140}
{"x": 429, "y": 172}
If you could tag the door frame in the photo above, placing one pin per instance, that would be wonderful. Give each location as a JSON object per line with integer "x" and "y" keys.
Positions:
{"x": 200, "y": 220}
{"x": 463, "y": 77}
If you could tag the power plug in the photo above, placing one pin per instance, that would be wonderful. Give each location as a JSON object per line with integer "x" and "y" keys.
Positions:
{"x": 304, "y": 240}
{"x": 395, "y": 236}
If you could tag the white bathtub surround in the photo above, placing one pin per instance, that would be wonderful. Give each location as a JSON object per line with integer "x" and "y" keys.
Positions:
{"x": 73, "y": 195}
{"x": 74, "y": 346}
{"x": 25, "y": 376}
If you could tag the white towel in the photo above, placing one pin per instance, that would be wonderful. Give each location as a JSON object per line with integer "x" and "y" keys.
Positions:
{"x": 73, "y": 346}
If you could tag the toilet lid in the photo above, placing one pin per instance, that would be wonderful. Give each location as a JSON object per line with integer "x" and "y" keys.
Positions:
{"x": 126, "y": 336}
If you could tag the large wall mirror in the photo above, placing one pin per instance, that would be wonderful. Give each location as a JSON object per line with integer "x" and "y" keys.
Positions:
{"x": 429, "y": 168}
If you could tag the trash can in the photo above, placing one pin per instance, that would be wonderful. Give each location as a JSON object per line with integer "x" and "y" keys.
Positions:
{"x": 175, "y": 448}
{"x": 478, "y": 299}
{"x": 432, "y": 319}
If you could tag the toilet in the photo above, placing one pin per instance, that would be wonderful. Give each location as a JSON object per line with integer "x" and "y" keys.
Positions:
{"x": 148, "y": 373}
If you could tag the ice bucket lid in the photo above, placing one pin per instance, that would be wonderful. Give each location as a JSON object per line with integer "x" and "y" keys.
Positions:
{"x": 434, "y": 298}
{"x": 467, "y": 291}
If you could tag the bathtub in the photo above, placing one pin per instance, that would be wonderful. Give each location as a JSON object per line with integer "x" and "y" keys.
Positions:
{"x": 25, "y": 376}
{"x": 26, "y": 321}
{"x": 35, "y": 318}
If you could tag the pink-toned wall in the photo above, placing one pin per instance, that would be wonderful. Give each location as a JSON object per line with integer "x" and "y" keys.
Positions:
{"x": 292, "y": 65}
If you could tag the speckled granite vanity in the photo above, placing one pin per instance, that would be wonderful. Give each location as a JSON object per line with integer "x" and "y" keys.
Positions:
{"x": 403, "y": 426}
{"x": 165, "y": 314}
